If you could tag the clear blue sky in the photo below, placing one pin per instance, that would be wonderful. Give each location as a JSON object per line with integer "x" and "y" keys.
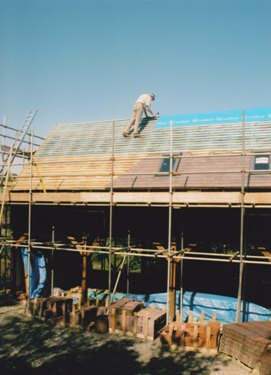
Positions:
{"x": 85, "y": 60}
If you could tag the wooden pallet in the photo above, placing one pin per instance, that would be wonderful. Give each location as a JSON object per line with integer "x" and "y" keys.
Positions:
{"x": 121, "y": 315}
{"x": 57, "y": 309}
{"x": 150, "y": 321}
{"x": 62, "y": 310}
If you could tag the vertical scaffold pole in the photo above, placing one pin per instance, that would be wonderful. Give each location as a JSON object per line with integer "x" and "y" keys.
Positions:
{"x": 29, "y": 219}
{"x": 242, "y": 224}
{"x": 128, "y": 264}
{"x": 52, "y": 261}
{"x": 111, "y": 213}
{"x": 169, "y": 269}
{"x": 181, "y": 279}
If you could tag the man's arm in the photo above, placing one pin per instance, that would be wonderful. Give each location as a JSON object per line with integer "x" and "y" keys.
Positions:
{"x": 150, "y": 111}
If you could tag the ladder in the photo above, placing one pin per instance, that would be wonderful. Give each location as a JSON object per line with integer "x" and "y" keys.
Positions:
{"x": 8, "y": 160}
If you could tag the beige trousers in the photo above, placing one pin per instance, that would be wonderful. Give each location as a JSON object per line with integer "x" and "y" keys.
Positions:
{"x": 135, "y": 118}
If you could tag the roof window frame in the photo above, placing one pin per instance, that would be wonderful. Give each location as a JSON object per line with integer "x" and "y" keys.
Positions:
{"x": 261, "y": 165}
{"x": 176, "y": 158}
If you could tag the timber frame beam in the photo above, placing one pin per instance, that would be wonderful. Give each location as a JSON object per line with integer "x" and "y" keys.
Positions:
{"x": 179, "y": 199}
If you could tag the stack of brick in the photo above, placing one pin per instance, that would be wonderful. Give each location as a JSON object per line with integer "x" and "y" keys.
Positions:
{"x": 130, "y": 317}
{"x": 265, "y": 366}
{"x": 247, "y": 342}
{"x": 121, "y": 315}
{"x": 192, "y": 335}
{"x": 150, "y": 321}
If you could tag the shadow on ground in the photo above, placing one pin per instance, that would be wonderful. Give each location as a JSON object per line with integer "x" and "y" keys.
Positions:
{"x": 7, "y": 300}
{"x": 32, "y": 346}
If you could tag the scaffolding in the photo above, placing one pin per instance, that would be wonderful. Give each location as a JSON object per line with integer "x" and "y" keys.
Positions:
{"x": 174, "y": 257}
{"x": 15, "y": 153}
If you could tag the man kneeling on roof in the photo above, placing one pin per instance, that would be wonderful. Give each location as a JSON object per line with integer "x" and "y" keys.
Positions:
{"x": 142, "y": 104}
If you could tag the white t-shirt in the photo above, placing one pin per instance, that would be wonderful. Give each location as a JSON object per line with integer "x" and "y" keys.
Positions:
{"x": 144, "y": 99}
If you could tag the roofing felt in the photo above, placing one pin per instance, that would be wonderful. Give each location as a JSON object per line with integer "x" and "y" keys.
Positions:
{"x": 221, "y": 117}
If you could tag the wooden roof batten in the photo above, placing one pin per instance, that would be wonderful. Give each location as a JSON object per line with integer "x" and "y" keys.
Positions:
{"x": 84, "y": 163}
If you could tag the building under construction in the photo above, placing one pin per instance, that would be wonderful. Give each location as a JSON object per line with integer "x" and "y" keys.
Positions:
{"x": 184, "y": 207}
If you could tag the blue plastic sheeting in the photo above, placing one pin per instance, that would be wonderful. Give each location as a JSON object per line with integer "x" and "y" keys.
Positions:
{"x": 37, "y": 273}
{"x": 223, "y": 306}
{"x": 225, "y": 117}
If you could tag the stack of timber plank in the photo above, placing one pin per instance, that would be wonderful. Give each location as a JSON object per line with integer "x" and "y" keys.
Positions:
{"x": 250, "y": 343}
{"x": 130, "y": 317}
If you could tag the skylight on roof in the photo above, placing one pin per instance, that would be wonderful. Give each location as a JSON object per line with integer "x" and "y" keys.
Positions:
{"x": 261, "y": 162}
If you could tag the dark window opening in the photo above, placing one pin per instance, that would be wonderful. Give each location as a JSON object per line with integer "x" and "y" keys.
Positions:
{"x": 261, "y": 162}
{"x": 165, "y": 164}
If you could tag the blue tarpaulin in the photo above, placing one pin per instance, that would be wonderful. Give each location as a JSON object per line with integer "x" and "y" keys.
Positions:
{"x": 224, "y": 307}
{"x": 38, "y": 274}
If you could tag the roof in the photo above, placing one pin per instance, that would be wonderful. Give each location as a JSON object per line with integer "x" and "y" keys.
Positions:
{"x": 78, "y": 156}
{"x": 96, "y": 138}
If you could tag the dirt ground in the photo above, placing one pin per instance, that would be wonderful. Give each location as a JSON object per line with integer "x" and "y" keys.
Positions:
{"x": 31, "y": 346}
